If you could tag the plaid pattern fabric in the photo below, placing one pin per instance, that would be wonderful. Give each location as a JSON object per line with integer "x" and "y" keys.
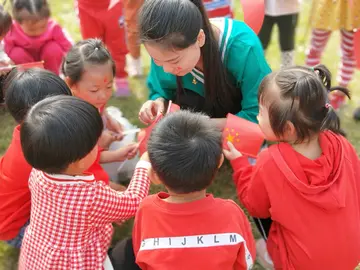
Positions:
{"x": 70, "y": 224}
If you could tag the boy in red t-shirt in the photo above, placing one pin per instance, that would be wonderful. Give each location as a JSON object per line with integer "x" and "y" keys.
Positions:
{"x": 14, "y": 170}
{"x": 183, "y": 228}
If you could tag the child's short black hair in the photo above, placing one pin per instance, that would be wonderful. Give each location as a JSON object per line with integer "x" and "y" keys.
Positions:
{"x": 25, "y": 88}
{"x": 302, "y": 100}
{"x": 59, "y": 131}
{"x": 185, "y": 151}
{"x": 89, "y": 51}
{"x": 5, "y": 21}
{"x": 38, "y": 9}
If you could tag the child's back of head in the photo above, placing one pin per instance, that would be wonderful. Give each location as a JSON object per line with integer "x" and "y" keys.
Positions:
{"x": 23, "y": 89}
{"x": 60, "y": 131}
{"x": 185, "y": 151}
{"x": 297, "y": 96}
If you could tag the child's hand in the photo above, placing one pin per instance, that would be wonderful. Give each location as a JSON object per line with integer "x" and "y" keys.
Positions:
{"x": 127, "y": 152}
{"x": 121, "y": 154}
{"x": 107, "y": 137}
{"x": 113, "y": 125}
{"x": 232, "y": 153}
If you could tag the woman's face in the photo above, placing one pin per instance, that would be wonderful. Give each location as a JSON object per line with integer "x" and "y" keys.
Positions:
{"x": 174, "y": 61}
{"x": 96, "y": 84}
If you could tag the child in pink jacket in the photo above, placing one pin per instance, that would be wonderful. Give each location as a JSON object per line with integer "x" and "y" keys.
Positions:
{"x": 34, "y": 36}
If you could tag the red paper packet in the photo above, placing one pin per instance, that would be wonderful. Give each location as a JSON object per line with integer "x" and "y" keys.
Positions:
{"x": 246, "y": 136}
{"x": 254, "y": 13}
{"x": 24, "y": 66}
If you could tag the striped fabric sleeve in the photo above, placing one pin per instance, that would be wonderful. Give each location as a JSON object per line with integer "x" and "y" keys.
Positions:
{"x": 110, "y": 205}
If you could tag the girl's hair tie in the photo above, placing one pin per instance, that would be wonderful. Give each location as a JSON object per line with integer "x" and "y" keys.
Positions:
{"x": 327, "y": 105}
{"x": 96, "y": 48}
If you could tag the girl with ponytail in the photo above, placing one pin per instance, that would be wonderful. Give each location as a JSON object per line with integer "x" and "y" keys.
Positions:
{"x": 307, "y": 184}
{"x": 214, "y": 67}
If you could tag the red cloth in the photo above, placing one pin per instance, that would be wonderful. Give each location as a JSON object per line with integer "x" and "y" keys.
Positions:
{"x": 218, "y": 8}
{"x": 71, "y": 219}
{"x": 210, "y": 233}
{"x": 315, "y": 206}
{"x": 96, "y": 21}
{"x": 14, "y": 191}
{"x": 97, "y": 170}
{"x": 50, "y": 46}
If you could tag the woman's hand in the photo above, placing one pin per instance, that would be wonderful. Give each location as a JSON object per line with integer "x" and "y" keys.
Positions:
{"x": 151, "y": 109}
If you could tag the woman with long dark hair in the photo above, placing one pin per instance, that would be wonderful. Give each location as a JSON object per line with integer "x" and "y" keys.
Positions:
{"x": 213, "y": 66}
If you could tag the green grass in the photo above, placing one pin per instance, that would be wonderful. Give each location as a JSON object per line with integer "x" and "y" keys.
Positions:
{"x": 222, "y": 187}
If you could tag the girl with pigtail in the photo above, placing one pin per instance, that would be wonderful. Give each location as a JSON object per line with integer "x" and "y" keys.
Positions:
{"x": 307, "y": 185}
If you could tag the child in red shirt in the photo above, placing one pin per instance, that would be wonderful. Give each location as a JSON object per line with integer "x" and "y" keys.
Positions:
{"x": 23, "y": 90}
{"x": 71, "y": 213}
{"x": 308, "y": 183}
{"x": 100, "y": 20}
{"x": 34, "y": 36}
{"x": 186, "y": 228}
{"x": 89, "y": 71}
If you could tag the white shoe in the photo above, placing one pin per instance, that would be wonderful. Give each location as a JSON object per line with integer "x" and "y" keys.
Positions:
{"x": 134, "y": 66}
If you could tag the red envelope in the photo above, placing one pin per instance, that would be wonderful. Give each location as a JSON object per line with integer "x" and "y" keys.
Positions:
{"x": 246, "y": 136}
{"x": 144, "y": 135}
{"x": 24, "y": 66}
{"x": 254, "y": 13}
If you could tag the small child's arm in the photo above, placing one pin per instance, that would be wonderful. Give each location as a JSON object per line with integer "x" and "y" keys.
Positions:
{"x": 249, "y": 183}
{"x": 111, "y": 205}
{"x": 127, "y": 152}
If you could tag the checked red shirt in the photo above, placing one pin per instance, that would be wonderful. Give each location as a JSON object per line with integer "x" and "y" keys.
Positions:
{"x": 70, "y": 224}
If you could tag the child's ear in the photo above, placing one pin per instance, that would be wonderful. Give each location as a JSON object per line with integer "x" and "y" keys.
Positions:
{"x": 290, "y": 131}
{"x": 221, "y": 161}
{"x": 70, "y": 84}
{"x": 153, "y": 177}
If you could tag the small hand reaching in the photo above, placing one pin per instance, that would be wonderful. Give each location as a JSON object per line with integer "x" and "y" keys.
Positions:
{"x": 232, "y": 153}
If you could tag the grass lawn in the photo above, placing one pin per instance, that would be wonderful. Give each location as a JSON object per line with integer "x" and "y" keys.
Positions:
{"x": 64, "y": 13}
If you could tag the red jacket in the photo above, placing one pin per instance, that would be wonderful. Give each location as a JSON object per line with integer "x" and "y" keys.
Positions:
{"x": 314, "y": 204}
{"x": 14, "y": 190}
{"x": 210, "y": 233}
{"x": 54, "y": 32}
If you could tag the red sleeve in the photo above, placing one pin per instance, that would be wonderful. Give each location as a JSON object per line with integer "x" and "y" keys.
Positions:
{"x": 249, "y": 182}
{"x": 62, "y": 38}
{"x": 110, "y": 205}
{"x": 247, "y": 253}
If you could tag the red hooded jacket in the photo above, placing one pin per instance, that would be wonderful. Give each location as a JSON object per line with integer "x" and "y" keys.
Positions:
{"x": 314, "y": 204}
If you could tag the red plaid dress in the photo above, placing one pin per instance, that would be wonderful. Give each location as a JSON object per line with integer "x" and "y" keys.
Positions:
{"x": 70, "y": 223}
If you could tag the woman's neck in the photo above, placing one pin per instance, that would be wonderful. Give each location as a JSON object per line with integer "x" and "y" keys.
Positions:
{"x": 184, "y": 198}
{"x": 310, "y": 149}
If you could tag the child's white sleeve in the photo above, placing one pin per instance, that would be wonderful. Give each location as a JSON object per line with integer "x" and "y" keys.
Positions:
{"x": 110, "y": 205}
